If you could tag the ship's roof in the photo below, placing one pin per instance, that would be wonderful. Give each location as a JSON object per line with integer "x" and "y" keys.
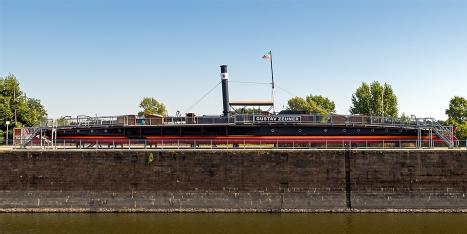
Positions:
{"x": 251, "y": 103}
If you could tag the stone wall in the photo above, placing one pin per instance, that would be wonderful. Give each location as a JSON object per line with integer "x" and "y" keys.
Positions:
{"x": 235, "y": 180}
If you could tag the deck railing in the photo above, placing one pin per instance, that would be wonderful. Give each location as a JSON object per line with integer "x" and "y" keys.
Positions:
{"x": 333, "y": 119}
{"x": 235, "y": 145}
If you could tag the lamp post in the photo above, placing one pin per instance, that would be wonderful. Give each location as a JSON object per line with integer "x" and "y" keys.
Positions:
{"x": 7, "y": 123}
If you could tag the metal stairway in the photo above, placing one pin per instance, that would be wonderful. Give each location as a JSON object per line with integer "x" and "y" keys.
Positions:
{"x": 27, "y": 138}
{"x": 445, "y": 133}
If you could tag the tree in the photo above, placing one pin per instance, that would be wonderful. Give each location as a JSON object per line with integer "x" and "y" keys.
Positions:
{"x": 461, "y": 131}
{"x": 374, "y": 99}
{"x": 313, "y": 104}
{"x": 151, "y": 106}
{"x": 457, "y": 112}
{"x": 32, "y": 112}
{"x": 457, "y": 116}
{"x": 16, "y": 107}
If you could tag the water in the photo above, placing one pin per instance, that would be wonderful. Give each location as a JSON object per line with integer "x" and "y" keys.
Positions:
{"x": 233, "y": 223}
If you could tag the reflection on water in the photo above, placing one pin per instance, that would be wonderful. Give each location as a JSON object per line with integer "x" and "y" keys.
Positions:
{"x": 233, "y": 223}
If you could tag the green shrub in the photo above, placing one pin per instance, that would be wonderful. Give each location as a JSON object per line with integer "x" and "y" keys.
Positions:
{"x": 149, "y": 158}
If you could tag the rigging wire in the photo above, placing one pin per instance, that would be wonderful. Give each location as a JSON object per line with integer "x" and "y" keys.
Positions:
{"x": 250, "y": 82}
{"x": 288, "y": 92}
{"x": 204, "y": 96}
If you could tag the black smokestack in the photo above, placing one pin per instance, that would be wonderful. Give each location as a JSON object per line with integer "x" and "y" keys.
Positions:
{"x": 225, "y": 90}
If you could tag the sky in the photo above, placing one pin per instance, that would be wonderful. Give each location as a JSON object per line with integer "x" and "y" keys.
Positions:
{"x": 102, "y": 57}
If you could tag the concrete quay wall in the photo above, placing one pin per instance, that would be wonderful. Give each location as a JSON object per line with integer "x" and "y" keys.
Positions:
{"x": 233, "y": 180}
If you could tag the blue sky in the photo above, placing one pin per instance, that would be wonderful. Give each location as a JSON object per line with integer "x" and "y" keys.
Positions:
{"x": 101, "y": 57}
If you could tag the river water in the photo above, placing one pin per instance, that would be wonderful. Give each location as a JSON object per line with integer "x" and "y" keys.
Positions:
{"x": 233, "y": 223}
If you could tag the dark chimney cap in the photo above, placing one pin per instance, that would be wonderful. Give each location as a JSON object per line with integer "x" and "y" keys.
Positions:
{"x": 223, "y": 68}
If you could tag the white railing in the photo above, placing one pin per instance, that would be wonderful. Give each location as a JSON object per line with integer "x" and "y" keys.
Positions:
{"x": 238, "y": 144}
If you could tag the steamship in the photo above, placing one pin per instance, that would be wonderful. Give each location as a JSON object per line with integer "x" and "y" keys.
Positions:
{"x": 234, "y": 127}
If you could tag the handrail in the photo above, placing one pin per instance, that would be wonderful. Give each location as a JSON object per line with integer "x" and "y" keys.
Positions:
{"x": 310, "y": 119}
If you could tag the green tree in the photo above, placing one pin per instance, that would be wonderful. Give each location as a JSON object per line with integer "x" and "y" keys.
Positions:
{"x": 457, "y": 116}
{"x": 461, "y": 131}
{"x": 374, "y": 99}
{"x": 32, "y": 112}
{"x": 457, "y": 111}
{"x": 151, "y": 106}
{"x": 16, "y": 107}
{"x": 313, "y": 104}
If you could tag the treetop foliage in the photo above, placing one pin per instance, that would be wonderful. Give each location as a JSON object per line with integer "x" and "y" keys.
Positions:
{"x": 457, "y": 116}
{"x": 374, "y": 100}
{"x": 29, "y": 111}
{"x": 312, "y": 104}
{"x": 151, "y": 106}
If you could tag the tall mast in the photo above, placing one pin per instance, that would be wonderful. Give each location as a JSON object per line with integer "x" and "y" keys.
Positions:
{"x": 272, "y": 84}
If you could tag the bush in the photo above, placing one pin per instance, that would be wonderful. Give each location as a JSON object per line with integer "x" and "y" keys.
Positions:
{"x": 149, "y": 158}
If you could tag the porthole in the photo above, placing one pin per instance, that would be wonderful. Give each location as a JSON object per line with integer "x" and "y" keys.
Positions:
{"x": 105, "y": 130}
{"x": 77, "y": 130}
{"x": 344, "y": 130}
{"x": 358, "y": 130}
{"x": 272, "y": 130}
{"x": 325, "y": 130}
{"x": 372, "y": 130}
{"x": 299, "y": 130}
{"x": 92, "y": 130}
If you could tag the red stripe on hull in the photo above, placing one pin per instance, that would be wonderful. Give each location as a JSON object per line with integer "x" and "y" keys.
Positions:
{"x": 245, "y": 139}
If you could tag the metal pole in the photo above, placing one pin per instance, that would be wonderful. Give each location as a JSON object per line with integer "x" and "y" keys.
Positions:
{"x": 431, "y": 138}
{"x": 41, "y": 137}
{"x": 7, "y": 133}
{"x": 272, "y": 84}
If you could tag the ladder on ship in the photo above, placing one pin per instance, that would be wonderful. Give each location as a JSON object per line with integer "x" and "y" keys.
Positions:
{"x": 28, "y": 135}
{"x": 445, "y": 133}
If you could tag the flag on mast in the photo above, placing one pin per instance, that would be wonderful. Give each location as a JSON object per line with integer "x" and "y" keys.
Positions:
{"x": 267, "y": 56}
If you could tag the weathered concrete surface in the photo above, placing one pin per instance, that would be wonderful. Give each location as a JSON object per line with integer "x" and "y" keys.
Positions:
{"x": 238, "y": 180}
{"x": 409, "y": 179}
